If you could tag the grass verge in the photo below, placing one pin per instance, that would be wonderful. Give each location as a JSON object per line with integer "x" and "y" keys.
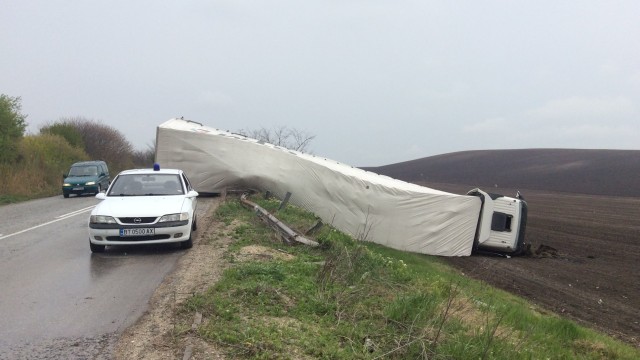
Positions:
{"x": 355, "y": 300}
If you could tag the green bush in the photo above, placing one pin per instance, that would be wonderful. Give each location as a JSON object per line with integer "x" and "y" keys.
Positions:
{"x": 67, "y": 131}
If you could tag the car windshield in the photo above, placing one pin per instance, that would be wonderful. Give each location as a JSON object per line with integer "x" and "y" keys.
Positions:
{"x": 146, "y": 185}
{"x": 83, "y": 171}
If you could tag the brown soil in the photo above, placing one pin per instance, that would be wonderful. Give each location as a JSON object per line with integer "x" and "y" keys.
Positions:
{"x": 583, "y": 262}
{"x": 596, "y": 172}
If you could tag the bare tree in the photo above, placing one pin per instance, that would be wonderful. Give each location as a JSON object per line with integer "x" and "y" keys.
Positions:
{"x": 283, "y": 136}
{"x": 300, "y": 139}
{"x": 103, "y": 142}
{"x": 280, "y": 136}
{"x": 144, "y": 158}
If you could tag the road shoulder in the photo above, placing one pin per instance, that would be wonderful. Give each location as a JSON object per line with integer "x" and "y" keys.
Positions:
{"x": 153, "y": 335}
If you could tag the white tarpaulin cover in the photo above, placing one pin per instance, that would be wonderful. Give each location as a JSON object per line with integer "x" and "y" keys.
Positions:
{"x": 363, "y": 204}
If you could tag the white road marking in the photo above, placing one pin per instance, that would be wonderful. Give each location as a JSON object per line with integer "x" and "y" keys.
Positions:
{"x": 73, "y": 213}
{"x": 58, "y": 218}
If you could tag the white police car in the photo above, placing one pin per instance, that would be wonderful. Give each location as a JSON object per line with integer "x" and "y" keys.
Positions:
{"x": 144, "y": 206}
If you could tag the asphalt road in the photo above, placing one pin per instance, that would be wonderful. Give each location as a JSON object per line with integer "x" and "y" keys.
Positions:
{"x": 57, "y": 299}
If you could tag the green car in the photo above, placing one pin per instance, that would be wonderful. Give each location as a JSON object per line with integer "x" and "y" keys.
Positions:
{"x": 86, "y": 177}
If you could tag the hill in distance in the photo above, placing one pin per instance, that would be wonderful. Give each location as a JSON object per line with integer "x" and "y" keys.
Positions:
{"x": 593, "y": 172}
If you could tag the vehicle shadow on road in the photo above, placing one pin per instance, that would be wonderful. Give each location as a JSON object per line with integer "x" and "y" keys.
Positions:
{"x": 139, "y": 250}
{"x": 115, "y": 257}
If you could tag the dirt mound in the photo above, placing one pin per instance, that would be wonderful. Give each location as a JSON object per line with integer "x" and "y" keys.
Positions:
{"x": 544, "y": 251}
{"x": 261, "y": 253}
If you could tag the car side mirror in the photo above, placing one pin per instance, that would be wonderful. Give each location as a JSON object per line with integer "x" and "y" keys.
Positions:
{"x": 101, "y": 174}
{"x": 101, "y": 196}
{"x": 192, "y": 194}
{"x": 64, "y": 176}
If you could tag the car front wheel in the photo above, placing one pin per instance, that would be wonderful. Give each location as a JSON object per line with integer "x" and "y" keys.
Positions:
{"x": 187, "y": 244}
{"x": 96, "y": 248}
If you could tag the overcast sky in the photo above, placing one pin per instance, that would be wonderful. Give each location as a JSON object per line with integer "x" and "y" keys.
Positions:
{"x": 377, "y": 82}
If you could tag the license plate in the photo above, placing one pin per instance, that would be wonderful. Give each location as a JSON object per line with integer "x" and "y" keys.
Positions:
{"x": 137, "y": 232}
{"x": 78, "y": 188}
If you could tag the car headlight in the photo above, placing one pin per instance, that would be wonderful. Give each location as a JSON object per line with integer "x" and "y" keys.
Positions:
{"x": 91, "y": 183}
{"x": 66, "y": 184}
{"x": 175, "y": 217}
{"x": 102, "y": 219}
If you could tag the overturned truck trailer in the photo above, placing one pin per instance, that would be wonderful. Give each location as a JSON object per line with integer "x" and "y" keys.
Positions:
{"x": 366, "y": 205}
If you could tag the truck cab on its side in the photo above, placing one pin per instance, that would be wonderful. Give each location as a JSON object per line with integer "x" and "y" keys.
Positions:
{"x": 501, "y": 224}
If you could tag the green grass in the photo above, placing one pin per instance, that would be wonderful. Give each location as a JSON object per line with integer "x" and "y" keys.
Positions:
{"x": 352, "y": 300}
{"x": 10, "y": 199}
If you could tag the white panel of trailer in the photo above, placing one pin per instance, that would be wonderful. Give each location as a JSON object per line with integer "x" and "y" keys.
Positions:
{"x": 366, "y": 205}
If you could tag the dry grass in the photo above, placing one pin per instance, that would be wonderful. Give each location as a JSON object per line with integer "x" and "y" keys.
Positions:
{"x": 38, "y": 171}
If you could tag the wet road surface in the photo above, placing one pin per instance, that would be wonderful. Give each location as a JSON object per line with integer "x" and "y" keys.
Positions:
{"x": 57, "y": 299}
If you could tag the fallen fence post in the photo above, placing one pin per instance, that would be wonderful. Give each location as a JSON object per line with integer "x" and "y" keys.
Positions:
{"x": 314, "y": 228}
{"x": 285, "y": 231}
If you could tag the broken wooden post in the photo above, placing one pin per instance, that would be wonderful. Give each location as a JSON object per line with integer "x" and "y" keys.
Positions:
{"x": 284, "y": 202}
{"x": 287, "y": 233}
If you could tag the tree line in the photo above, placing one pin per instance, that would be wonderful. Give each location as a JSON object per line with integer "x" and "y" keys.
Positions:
{"x": 32, "y": 166}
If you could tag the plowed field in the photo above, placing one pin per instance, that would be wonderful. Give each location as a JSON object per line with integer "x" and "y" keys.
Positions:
{"x": 588, "y": 266}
